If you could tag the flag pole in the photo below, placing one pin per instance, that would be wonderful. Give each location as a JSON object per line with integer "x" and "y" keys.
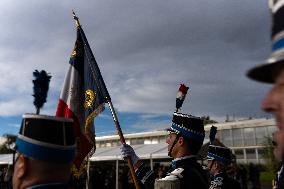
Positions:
{"x": 122, "y": 140}
{"x": 117, "y": 125}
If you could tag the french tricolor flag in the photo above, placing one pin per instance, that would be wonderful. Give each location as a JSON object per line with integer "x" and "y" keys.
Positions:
{"x": 83, "y": 97}
{"x": 182, "y": 91}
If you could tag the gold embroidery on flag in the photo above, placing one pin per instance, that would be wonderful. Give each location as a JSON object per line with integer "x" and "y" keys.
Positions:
{"x": 89, "y": 98}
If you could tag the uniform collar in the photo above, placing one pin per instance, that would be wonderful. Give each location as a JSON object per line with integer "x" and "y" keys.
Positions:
{"x": 221, "y": 174}
{"x": 177, "y": 161}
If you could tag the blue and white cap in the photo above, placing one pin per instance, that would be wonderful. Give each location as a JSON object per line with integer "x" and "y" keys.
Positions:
{"x": 46, "y": 138}
{"x": 267, "y": 72}
{"x": 188, "y": 126}
{"x": 219, "y": 153}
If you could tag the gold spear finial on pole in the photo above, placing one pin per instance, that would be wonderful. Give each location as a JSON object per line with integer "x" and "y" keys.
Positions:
{"x": 76, "y": 19}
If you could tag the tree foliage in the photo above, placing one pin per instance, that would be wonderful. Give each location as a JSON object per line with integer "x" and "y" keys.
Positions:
{"x": 5, "y": 148}
{"x": 207, "y": 120}
{"x": 271, "y": 162}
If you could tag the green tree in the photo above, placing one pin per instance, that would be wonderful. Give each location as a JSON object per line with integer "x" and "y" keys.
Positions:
{"x": 207, "y": 120}
{"x": 7, "y": 146}
{"x": 271, "y": 163}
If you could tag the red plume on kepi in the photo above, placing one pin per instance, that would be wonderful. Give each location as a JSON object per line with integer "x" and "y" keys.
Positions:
{"x": 182, "y": 91}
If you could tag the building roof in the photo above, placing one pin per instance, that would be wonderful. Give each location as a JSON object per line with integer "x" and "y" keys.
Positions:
{"x": 227, "y": 125}
{"x": 242, "y": 124}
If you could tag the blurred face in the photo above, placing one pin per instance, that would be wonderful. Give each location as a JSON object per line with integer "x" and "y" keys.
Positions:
{"x": 19, "y": 170}
{"x": 211, "y": 167}
{"x": 274, "y": 103}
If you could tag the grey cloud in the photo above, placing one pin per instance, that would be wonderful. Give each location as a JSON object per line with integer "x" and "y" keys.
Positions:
{"x": 144, "y": 49}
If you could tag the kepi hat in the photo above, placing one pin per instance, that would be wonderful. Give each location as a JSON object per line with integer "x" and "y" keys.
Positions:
{"x": 267, "y": 72}
{"x": 188, "y": 126}
{"x": 219, "y": 153}
{"x": 46, "y": 138}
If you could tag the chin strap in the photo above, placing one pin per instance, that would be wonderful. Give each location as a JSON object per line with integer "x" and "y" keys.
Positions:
{"x": 209, "y": 168}
{"x": 174, "y": 143}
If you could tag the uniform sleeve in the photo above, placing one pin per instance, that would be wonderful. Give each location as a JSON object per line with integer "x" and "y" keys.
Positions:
{"x": 146, "y": 177}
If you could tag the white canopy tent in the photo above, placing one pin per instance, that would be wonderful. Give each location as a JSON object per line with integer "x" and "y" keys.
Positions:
{"x": 6, "y": 159}
{"x": 144, "y": 151}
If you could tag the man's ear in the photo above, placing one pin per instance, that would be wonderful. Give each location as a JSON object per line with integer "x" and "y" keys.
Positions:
{"x": 181, "y": 140}
{"x": 21, "y": 167}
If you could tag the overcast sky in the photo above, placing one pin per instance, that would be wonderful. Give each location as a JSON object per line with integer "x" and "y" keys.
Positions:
{"x": 144, "y": 49}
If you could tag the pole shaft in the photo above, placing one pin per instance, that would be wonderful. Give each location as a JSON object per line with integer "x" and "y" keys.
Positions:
{"x": 122, "y": 140}
{"x": 116, "y": 173}
{"x": 88, "y": 172}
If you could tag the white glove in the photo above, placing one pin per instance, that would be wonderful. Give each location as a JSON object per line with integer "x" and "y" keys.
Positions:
{"x": 127, "y": 151}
